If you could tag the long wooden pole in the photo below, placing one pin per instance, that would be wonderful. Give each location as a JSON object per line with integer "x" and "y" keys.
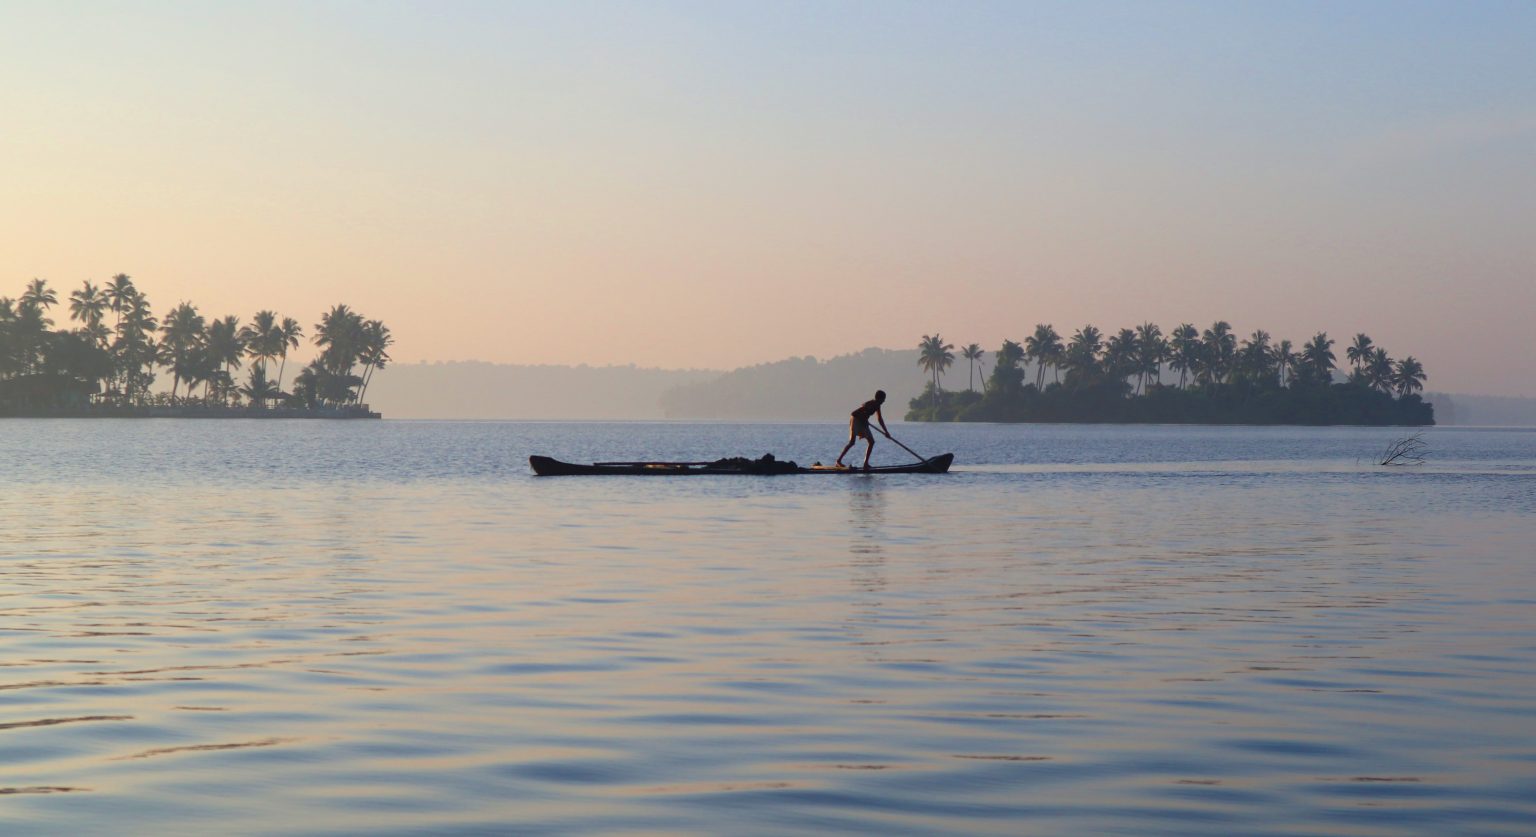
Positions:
{"x": 919, "y": 456}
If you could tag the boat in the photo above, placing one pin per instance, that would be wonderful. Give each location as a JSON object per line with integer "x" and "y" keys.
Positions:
{"x": 545, "y": 466}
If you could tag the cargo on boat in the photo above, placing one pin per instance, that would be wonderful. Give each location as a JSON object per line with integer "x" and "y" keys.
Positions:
{"x": 767, "y": 465}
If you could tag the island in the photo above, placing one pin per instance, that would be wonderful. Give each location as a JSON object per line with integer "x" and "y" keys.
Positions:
{"x": 100, "y": 370}
{"x": 1221, "y": 380}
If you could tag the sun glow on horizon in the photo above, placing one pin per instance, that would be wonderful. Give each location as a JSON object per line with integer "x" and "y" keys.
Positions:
{"x": 710, "y": 187}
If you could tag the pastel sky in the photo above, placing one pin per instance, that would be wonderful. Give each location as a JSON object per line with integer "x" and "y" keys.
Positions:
{"x": 710, "y": 184}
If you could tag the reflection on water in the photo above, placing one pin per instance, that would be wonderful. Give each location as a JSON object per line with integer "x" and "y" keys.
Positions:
{"x": 392, "y": 627}
{"x": 866, "y": 506}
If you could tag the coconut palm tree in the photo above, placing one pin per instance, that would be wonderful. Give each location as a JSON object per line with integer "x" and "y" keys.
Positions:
{"x": 375, "y": 355}
{"x": 119, "y": 293}
{"x": 98, "y": 333}
{"x": 1219, "y": 351}
{"x": 934, "y": 356}
{"x": 136, "y": 345}
{"x": 1082, "y": 354}
{"x": 29, "y": 333}
{"x": 1120, "y": 354}
{"x": 1408, "y": 377}
{"x": 260, "y": 338}
{"x": 1184, "y": 351}
{"x": 1284, "y": 358}
{"x": 203, "y": 367}
{"x": 258, "y": 390}
{"x": 87, "y": 304}
{"x": 972, "y": 353}
{"x": 1254, "y": 358}
{"x": 1317, "y": 356}
{"x": 340, "y": 336}
{"x": 10, "y": 359}
{"x": 225, "y": 348}
{"x": 1151, "y": 350}
{"x": 40, "y": 295}
{"x": 1043, "y": 348}
{"x": 1359, "y": 354}
{"x": 1379, "y": 370}
{"x": 183, "y": 335}
{"x": 288, "y": 333}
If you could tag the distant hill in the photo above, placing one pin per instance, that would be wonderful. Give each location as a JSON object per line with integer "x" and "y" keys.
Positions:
{"x": 795, "y": 389}
{"x": 476, "y": 390}
{"x": 805, "y": 388}
{"x": 1483, "y": 410}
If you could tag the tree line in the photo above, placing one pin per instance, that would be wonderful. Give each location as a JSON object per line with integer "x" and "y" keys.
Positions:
{"x": 1221, "y": 379}
{"x": 91, "y": 362}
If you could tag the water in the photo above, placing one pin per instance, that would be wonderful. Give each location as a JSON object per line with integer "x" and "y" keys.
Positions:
{"x": 389, "y": 627}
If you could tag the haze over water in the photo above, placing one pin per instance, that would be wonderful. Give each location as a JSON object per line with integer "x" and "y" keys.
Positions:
{"x": 307, "y": 627}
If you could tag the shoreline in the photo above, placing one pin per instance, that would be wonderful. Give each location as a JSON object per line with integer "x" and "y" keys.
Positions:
{"x": 196, "y": 411}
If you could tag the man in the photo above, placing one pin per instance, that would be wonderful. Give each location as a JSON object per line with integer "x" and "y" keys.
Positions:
{"x": 858, "y": 427}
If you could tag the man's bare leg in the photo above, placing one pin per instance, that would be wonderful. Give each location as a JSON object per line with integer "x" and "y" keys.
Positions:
{"x": 851, "y": 439}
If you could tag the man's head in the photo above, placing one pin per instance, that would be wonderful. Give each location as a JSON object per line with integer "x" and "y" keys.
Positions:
{"x": 880, "y": 396}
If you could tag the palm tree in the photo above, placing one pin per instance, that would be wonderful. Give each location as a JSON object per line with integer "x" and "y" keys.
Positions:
{"x": 259, "y": 390}
{"x": 376, "y": 343}
{"x": 1408, "y": 377}
{"x": 1151, "y": 350}
{"x": 306, "y": 385}
{"x": 225, "y": 348}
{"x": 1379, "y": 370}
{"x": 86, "y": 304}
{"x": 1255, "y": 360}
{"x": 119, "y": 294}
{"x": 1219, "y": 350}
{"x": 1082, "y": 353}
{"x": 40, "y": 295}
{"x": 340, "y": 336}
{"x": 1184, "y": 350}
{"x": 1318, "y": 354}
{"x": 1359, "y": 354}
{"x": 260, "y": 338}
{"x": 288, "y": 333}
{"x": 1284, "y": 358}
{"x": 29, "y": 334}
{"x": 934, "y": 356}
{"x": 202, "y": 367}
{"x": 97, "y": 332}
{"x": 971, "y": 353}
{"x": 10, "y": 363}
{"x": 134, "y": 347}
{"x": 183, "y": 334}
{"x": 1121, "y": 353}
{"x": 1044, "y": 348}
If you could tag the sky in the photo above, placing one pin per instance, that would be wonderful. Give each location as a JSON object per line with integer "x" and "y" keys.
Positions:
{"x": 715, "y": 184}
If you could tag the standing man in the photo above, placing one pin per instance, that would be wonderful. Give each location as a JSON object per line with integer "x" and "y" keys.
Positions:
{"x": 858, "y": 427}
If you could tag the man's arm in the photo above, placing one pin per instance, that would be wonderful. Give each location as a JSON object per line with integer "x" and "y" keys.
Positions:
{"x": 880, "y": 416}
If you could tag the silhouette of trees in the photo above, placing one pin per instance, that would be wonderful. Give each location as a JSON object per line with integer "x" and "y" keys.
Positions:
{"x": 972, "y": 353}
{"x": 1044, "y": 348}
{"x": 1255, "y": 380}
{"x": 934, "y": 356}
{"x": 93, "y": 363}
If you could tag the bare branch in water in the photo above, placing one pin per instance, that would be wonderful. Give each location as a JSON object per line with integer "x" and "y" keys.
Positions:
{"x": 1407, "y": 451}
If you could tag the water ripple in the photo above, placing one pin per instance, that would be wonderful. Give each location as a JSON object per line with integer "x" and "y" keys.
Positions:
{"x": 392, "y": 629}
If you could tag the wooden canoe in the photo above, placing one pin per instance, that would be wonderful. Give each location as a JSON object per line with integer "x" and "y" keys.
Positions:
{"x": 545, "y": 466}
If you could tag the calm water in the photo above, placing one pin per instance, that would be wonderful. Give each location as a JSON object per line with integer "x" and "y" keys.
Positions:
{"x": 307, "y": 627}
